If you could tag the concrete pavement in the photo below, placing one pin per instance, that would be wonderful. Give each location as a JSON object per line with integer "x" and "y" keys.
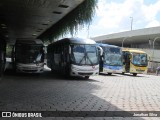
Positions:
{"x": 52, "y": 92}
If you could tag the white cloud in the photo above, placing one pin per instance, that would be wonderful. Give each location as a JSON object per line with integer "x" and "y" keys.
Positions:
{"x": 153, "y": 23}
{"x": 151, "y": 11}
{"x": 150, "y": 14}
{"x": 115, "y": 16}
{"x": 111, "y": 14}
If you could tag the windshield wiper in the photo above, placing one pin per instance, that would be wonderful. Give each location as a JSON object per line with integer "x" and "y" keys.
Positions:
{"x": 82, "y": 60}
{"x": 89, "y": 59}
{"x": 86, "y": 56}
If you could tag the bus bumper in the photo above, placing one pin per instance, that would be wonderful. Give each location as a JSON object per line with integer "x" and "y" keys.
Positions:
{"x": 30, "y": 68}
{"x": 112, "y": 71}
{"x": 138, "y": 69}
{"x": 84, "y": 70}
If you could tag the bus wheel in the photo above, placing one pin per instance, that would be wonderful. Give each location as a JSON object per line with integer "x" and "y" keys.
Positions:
{"x": 1, "y": 69}
{"x": 86, "y": 77}
{"x": 67, "y": 72}
{"x": 122, "y": 73}
{"x": 134, "y": 74}
{"x": 53, "y": 71}
{"x": 109, "y": 73}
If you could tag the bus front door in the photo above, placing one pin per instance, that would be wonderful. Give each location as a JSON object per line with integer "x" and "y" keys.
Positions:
{"x": 2, "y": 56}
{"x": 127, "y": 66}
{"x": 101, "y": 64}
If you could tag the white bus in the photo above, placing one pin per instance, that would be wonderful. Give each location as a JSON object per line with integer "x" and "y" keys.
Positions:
{"x": 74, "y": 57}
{"x": 28, "y": 55}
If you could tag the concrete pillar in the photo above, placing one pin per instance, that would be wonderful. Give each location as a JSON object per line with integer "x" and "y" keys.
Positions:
{"x": 2, "y": 55}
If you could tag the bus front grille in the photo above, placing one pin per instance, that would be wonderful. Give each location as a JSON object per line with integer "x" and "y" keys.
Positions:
{"x": 30, "y": 70}
{"x": 140, "y": 70}
{"x": 85, "y": 74}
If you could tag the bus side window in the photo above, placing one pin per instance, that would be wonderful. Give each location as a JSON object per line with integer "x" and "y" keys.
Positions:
{"x": 56, "y": 56}
{"x": 66, "y": 53}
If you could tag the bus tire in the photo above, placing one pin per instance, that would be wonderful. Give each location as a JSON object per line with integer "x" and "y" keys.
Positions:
{"x": 123, "y": 73}
{"x": 86, "y": 77}
{"x": 67, "y": 72}
{"x": 134, "y": 74}
{"x": 2, "y": 69}
{"x": 52, "y": 70}
{"x": 109, "y": 73}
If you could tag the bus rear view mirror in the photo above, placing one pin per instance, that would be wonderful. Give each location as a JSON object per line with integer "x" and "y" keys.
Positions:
{"x": 38, "y": 59}
{"x": 100, "y": 50}
{"x": 69, "y": 49}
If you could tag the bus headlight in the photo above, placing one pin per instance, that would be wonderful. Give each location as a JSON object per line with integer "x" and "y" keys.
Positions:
{"x": 40, "y": 64}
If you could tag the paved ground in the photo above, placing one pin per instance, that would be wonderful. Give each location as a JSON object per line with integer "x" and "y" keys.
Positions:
{"x": 52, "y": 92}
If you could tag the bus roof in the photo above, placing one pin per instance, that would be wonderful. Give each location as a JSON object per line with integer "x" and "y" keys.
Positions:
{"x": 28, "y": 41}
{"x": 104, "y": 45}
{"x": 133, "y": 50}
{"x": 76, "y": 41}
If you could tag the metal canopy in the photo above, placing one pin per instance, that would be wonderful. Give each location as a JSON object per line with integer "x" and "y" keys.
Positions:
{"x": 30, "y": 18}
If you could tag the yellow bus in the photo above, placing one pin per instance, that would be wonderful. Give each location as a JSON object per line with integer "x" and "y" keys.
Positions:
{"x": 134, "y": 61}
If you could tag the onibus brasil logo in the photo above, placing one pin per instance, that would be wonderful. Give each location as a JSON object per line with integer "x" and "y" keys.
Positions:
{"x": 21, "y": 114}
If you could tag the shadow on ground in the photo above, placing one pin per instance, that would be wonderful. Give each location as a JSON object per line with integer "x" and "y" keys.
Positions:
{"x": 46, "y": 75}
{"x": 131, "y": 75}
{"x": 105, "y": 74}
{"x": 51, "y": 92}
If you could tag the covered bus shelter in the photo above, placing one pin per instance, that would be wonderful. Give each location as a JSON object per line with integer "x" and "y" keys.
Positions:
{"x": 43, "y": 19}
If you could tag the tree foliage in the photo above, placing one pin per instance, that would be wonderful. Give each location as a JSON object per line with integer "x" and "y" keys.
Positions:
{"x": 80, "y": 16}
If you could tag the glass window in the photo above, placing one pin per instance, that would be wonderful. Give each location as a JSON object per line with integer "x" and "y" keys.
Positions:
{"x": 139, "y": 59}
{"x": 113, "y": 56}
{"x": 29, "y": 53}
{"x": 84, "y": 54}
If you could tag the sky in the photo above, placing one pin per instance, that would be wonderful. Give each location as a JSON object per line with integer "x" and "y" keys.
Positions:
{"x": 113, "y": 16}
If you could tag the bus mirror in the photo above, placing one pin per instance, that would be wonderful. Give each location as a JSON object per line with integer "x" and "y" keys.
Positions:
{"x": 101, "y": 50}
{"x": 69, "y": 49}
{"x": 45, "y": 49}
{"x": 38, "y": 59}
{"x": 103, "y": 59}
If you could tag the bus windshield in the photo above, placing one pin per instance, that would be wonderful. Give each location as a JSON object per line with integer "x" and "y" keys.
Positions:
{"x": 84, "y": 54}
{"x": 113, "y": 56}
{"x": 29, "y": 53}
{"x": 139, "y": 59}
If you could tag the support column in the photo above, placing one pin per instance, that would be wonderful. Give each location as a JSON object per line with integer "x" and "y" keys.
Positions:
{"x": 2, "y": 55}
